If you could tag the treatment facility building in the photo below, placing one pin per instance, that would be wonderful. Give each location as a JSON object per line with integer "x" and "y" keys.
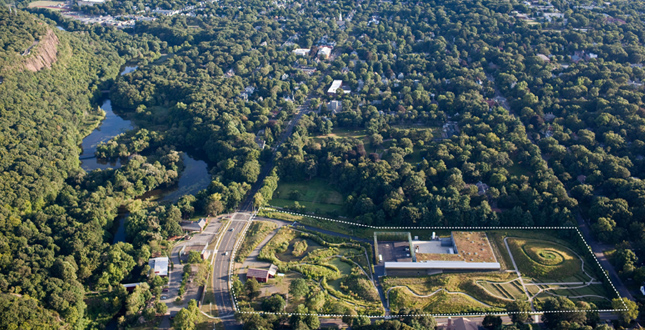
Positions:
{"x": 463, "y": 251}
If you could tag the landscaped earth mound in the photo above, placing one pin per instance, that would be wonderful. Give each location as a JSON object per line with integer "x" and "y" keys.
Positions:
{"x": 544, "y": 260}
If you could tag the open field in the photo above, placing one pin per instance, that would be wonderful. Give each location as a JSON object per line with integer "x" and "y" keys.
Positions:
{"x": 327, "y": 225}
{"x": 314, "y": 195}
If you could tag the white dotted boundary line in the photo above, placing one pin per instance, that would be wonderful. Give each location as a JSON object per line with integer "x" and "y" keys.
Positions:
{"x": 393, "y": 316}
{"x": 602, "y": 269}
{"x": 237, "y": 310}
{"x": 230, "y": 269}
{"x": 413, "y": 227}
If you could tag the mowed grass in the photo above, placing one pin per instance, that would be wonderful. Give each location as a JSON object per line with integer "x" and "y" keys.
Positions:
{"x": 531, "y": 257}
{"x": 315, "y": 194}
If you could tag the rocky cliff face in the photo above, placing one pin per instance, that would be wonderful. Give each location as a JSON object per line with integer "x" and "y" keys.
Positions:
{"x": 43, "y": 55}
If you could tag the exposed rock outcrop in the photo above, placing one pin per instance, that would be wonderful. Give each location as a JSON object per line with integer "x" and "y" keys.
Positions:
{"x": 43, "y": 55}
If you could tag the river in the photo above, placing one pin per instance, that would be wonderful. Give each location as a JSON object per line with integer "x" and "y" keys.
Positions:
{"x": 192, "y": 179}
{"x": 110, "y": 127}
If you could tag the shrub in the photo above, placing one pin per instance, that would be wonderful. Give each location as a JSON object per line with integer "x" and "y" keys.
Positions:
{"x": 299, "y": 248}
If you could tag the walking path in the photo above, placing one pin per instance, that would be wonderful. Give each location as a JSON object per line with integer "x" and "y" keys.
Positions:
{"x": 387, "y": 293}
{"x": 518, "y": 272}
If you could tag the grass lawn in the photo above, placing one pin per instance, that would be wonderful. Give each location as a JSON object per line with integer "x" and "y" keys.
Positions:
{"x": 204, "y": 323}
{"x": 544, "y": 260}
{"x": 288, "y": 256}
{"x": 346, "y": 133}
{"x": 315, "y": 194}
{"x": 209, "y": 306}
{"x": 322, "y": 224}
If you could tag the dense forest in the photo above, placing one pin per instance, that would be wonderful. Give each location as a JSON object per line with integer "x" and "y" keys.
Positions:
{"x": 480, "y": 113}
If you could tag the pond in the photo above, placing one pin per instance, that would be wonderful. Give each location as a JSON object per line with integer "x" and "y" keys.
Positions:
{"x": 110, "y": 127}
{"x": 192, "y": 179}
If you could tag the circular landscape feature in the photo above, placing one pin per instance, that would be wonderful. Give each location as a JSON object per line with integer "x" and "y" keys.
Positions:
{"x": 545, "y": 260}
{"x": 543, "y": 254}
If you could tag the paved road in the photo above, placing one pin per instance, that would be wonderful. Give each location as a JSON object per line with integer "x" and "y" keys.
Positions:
{"x": 239, "y": 220}
{"x": 221, "y": 264}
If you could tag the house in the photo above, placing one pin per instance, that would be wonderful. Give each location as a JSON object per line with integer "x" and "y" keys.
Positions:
{"x": 262, "y": 275}
{"x": 481, "y": 188}
{"x": 200, "y": 248}
{"x": 194, "y": 226}
{"x": 544, "y": 58}
{"x": 335, "y": 85}
{"x": 324, "y": 52}
{"x": 335, "y": 106}
{"x": 301, "y": 51}
{"x": 461, "y": 252}
{"x": 131, "y": 286}
{"x": 159, "y": 266}
{"x": 591, "y": 56}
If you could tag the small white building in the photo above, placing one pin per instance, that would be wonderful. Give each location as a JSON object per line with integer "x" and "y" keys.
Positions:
{"x": 301, "y": 51}
{"x": 335, "y": 85}
{"x": 159, "y": 266}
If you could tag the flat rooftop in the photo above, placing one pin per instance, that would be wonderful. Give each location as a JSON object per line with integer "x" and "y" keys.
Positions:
{"x": 396, "y": 251}
{"x": 466, "y": 246}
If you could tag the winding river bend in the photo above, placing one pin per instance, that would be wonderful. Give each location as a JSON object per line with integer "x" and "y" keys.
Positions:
{"x": 110, "y": 127}
{"x": 192, "y": 179}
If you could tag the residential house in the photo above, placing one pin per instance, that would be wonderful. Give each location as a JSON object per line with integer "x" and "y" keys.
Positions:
{"x": 324, "y": 52}
{"x": 301, "y": 51}
{"x": 159, "y": 266}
